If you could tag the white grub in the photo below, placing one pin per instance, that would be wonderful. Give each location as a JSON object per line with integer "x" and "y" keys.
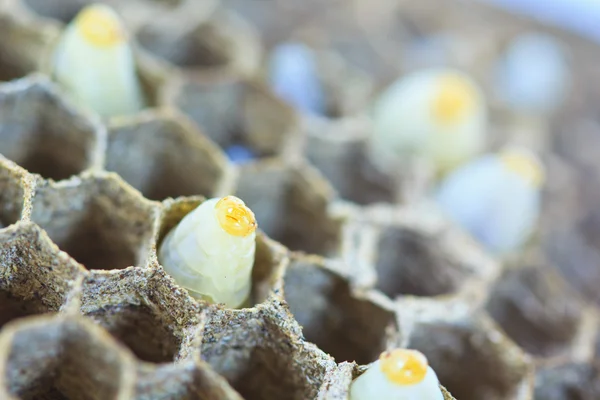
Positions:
{"x": 211, "y": 251}
{"x": 93, "y": 61}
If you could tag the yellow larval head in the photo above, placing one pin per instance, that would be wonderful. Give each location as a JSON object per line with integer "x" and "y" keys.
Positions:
{"x": 455, "y": 97}
{"x": 404, "y": 367}
{"x": 525, "y": 164}
{"x": 235, "y": 217}
{"x": 100, "y": 26}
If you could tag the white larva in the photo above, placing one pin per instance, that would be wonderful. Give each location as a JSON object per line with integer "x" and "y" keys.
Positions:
{"x": 436, "y": 114}
{"x": 293, "y": 74}
{"x": 399, "y": 374}
{"x": 533, "y": 75}
{"x": 211, "y": 251}
{"x": 495, "y": 198}
{"x": 94, "y": 62}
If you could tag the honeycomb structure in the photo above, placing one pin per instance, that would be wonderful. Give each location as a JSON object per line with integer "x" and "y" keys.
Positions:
{"x": 345, "y": 267}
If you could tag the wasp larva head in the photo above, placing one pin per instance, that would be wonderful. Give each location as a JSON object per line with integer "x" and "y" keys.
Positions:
{"x": 525, "y": 164}
{"x": 454, "y": 99}
{"x": 403, "y": 367}
{"x": 398, "y": 374}
{"x": 234, "y": 217}
{"x": 100, "y": 26}
{"x": 211, "y": 251}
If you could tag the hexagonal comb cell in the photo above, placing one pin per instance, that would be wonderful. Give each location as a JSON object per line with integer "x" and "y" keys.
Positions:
{"x": 339, "y": 151}
{"x": 143, "y": 310}
{"x": 291, "y": 205}
{"x": 182, "y": 381}
{"x": 568, "y": 381}
{"x": 257, "y": 351}
{"x": 319, "y": 82}
{"x": 98, "y": 219}
{"x": 235, "y": 111}
{"x": 347, "y": 326}
{"x": 15, "y": 187}
{"x": 21, "y": 44}
{"x": 347, "y": 88}
{"x": 164, "y": 155}
{"x": 34, "y": 277}
{"x": 133, "y": 12}
{"x": 62, "y": 10}
{"x": 576, "y": 259}
{"x": 419, "y": 253}
{"x": 43, "y": 133}
{"x": 62, "y": 358}
{"x": 269, "y": 260}
{"x": 537, "y": 309}
{"x": 224, "y": 41}
{"x": 473, "y": 359}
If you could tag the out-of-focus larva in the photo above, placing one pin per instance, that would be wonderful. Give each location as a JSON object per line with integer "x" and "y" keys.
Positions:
{"x": 211, "y": 251}
{"x": 400, "y": 374}
{"x": 240, "y": 154}
{"x": 94, "y": 62}
{"x": 533, "y": 75}
{"x": 294, "y": 77}
{"x": 496, "y": 197}
{"x": 436, "y": 114}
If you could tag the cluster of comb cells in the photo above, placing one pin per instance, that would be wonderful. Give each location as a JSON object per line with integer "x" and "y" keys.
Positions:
{"x": 180, "y": 219}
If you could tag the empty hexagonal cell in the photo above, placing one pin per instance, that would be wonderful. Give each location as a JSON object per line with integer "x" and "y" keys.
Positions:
{"x": 97, "y": 219}
{"x": 182, "y": 381}
{"x": 139, "y": 12}
{"x": 62, "y": 10}
{"x": 568, "y": 381}
{"x": 233, "y": 111}
{"x": 43, "y": 133}
{"x": 269, "y": 258}
{"x": 134, "y": 12}
{"x": 22, "y": 41}
{"x": 15, "y": 188}
{"x": 348, "y": 89}
{"x": 347, "y": 326}
{"x": 537, "y": 309}
{"x": 338, "y": 150}
{"x": 339, "y": 89}
{"x": 59, "y": 358}
{"x": 34, "y": 277}
{"x": 473, "y": 359}
{"x": 411, "y": 263}
{"x": 164, "y": 155}
{"x": 420, "y": 253}
{"x": 261, "y": 358}
{"x": 188, "y": 40}
{"x": 291, "y": 205}
{"x": 576, "y": 259}
{"x": 143, "y": 310}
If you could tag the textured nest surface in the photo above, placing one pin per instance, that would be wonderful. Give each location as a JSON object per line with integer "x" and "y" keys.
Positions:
{"x": 343, "y": 269}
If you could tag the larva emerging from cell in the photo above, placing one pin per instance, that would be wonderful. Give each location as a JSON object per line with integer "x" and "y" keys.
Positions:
{"x": 496, "y": 198}
{"x": 438, "y": 114}
{"x": 94, "y": 62}
{"x": 399, "y": 374}
{"x": 211, "y": 251}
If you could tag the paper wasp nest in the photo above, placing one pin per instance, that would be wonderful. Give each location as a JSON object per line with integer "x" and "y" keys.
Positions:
{"x": 342, "y": 272}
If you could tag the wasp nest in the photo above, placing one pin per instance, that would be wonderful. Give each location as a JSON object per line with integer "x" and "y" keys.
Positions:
{"x": 343, "y": 270}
